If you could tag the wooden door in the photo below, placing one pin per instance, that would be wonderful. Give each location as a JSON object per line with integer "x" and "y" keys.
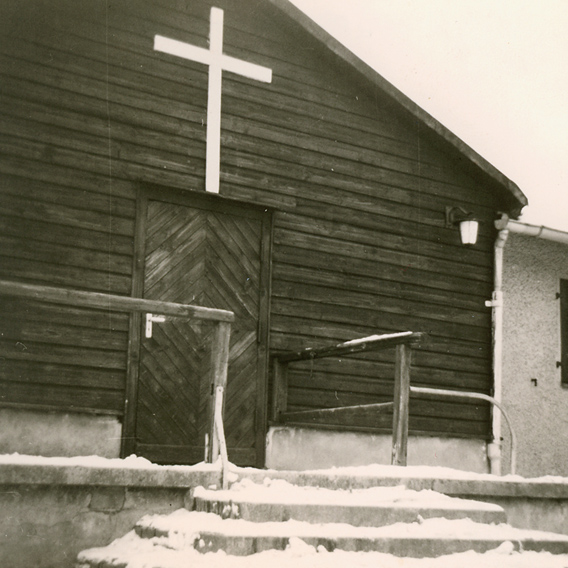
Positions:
{"x": 206, "y": 252}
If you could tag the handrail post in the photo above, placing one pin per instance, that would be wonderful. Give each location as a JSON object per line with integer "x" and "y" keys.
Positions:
{"x": 401, "y": 400}
{"x": 220, "y": 436}
{"x": 219, "y": 364}
{"x": 280, "y": 388}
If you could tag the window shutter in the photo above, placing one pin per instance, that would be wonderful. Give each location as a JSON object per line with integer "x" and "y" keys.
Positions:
{"x": 564, "y": 331}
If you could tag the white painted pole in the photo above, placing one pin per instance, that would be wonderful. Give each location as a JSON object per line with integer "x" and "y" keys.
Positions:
{"x": 213, "y": 163}
{"x": 220, "y": 435}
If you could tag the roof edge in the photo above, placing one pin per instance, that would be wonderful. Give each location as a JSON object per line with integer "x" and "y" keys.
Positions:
{"x": 433, "y": 124}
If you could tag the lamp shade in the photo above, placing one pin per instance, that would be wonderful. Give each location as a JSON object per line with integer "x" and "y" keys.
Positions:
{"x": 468, "y": 231}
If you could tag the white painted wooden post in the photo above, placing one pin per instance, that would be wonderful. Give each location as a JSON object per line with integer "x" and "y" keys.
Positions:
{"x": 220, "y": 435}
{"x": 219, "y": 365}
{"x": 213, "y": 148}
{"x": 217, "y": 62}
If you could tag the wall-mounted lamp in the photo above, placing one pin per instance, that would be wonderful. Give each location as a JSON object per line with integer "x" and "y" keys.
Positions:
{"x": 466, "y": 221}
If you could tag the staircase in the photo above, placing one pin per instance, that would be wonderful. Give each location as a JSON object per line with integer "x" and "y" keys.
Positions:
{"x": 276, "y": 515}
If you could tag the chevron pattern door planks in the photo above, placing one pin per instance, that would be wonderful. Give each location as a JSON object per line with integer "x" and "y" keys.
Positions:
{"x": 209, "y": 257}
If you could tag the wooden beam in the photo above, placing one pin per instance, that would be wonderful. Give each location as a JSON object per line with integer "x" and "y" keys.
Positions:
{"x": 219, "y": 365}
{"x": 59, "y": 408}
{"x": 370, "y": 343}
{"x": 302, "y": 415}
{"x": 265, "y": 291}
{"x": 111, "y": 302}
{"x": 128, "y": 440}
{"x": 401, "y": 400}
{"x": 279, "y": 389}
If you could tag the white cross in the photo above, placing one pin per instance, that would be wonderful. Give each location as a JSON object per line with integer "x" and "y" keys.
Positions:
{"x": 217, "y": 64}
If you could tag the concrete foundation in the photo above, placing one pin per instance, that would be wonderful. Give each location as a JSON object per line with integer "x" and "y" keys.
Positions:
{"x": 52, "y": 434}
{"x": 305, "y": 448}
{"x": 52, "y": 512}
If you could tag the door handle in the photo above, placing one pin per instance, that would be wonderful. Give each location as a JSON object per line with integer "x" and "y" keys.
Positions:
{"x": 150, "y": 320}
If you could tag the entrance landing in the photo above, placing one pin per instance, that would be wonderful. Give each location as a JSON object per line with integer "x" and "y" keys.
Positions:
{"x": 70, "y": 504}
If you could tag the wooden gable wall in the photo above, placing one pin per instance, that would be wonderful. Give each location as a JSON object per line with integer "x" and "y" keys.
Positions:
{"x": 89, "y": 111}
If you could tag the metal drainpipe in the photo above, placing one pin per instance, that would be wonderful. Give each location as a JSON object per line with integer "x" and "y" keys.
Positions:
{"x": 496, "y": 305}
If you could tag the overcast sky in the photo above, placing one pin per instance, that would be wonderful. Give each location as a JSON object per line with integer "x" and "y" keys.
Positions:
{"x": 495, "y": 72}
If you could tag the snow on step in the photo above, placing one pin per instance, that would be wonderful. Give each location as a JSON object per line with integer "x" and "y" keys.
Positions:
{"x": 278, "y": 500}
{"x": 427, "y": 538}
{"x": 182, "y": 533}
{"x": 131, "y": 551}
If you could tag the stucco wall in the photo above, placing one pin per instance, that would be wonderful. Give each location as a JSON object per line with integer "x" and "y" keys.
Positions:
{"x": 532, "y": 393}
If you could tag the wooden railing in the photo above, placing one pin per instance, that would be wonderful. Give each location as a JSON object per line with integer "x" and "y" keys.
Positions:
{"x": 220, "y": 344}
{"x": 402, "y": 388}
{"x": 402, "y": 342}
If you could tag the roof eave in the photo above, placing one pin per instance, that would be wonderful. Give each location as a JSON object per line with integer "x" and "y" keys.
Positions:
{"x": 429, "y": 121}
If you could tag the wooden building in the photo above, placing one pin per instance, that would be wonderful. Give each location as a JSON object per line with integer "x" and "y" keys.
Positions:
{"x": 329, "y": 222}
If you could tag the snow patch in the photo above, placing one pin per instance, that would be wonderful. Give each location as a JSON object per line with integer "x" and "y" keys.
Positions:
{"x": 131, "y": 462}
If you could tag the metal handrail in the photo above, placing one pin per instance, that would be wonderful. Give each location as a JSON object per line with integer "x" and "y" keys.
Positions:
{"x": 480, "y": 396}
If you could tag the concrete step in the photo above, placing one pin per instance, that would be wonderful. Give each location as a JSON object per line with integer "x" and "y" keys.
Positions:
{"x": 444, "y": 480}
{"x": 278, "y": 501}
{"x": 273, "y": 516}
{"x": 184, "y": 531}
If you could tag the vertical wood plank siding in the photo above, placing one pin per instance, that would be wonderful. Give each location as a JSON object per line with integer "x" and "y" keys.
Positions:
{"x": 88, "y": 111}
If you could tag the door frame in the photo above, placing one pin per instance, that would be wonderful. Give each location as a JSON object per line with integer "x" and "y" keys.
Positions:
{"x": 211, "y": 202}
